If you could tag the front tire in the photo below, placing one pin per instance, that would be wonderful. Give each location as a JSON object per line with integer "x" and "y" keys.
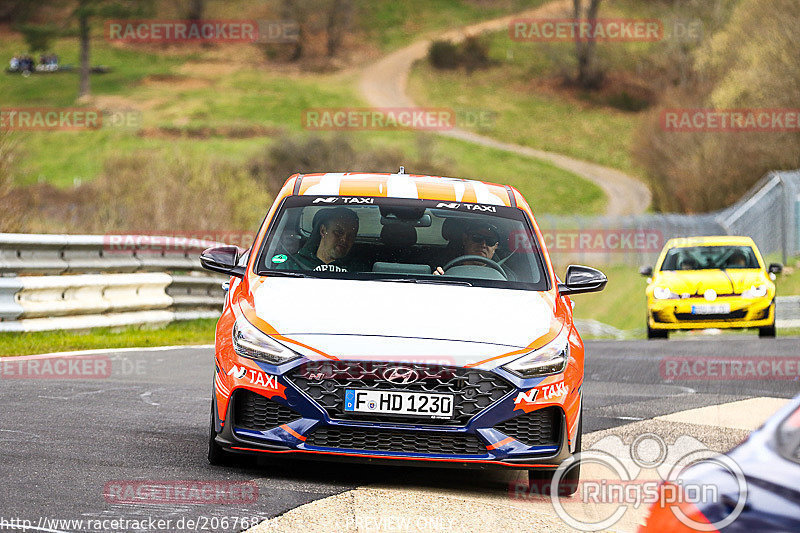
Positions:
{"x": 657, "y": 333}
{"x": 767, "y": 332}
{"x": 569, "y": 481}
{"x": 217, "y": 456}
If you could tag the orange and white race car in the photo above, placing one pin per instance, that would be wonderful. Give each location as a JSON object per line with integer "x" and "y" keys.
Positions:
{"x": 398, "y": 318}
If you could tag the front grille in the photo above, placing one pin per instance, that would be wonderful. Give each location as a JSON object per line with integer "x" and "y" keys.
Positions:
{"x": 390, "y": 440}
{"x": 721, "y": 316}
{"x": 473, "y": 390}
{"x": 538, "y": 428}
{"x": 253, "y": 411}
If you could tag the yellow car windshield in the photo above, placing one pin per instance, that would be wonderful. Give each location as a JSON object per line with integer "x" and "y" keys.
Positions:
{"x": 710, "y": 258}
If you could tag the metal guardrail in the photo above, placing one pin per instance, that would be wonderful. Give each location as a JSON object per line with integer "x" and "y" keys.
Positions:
{"x": 51, "y": 282}
{"x": 769, "y": 213}
{"x": 787, "y": 311}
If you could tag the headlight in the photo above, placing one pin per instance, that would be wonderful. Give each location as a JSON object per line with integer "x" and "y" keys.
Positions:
{"x": 755, "y": 292}
{"x": 549, "y": 359}
{"x": 250, "y": 342}
{"x": 663, "y": 293}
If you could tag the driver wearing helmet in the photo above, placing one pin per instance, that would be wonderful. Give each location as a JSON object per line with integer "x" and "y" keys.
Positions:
{"x": 481, "y": 239}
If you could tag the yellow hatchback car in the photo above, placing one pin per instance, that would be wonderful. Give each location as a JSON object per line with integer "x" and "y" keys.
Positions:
{"x": 710, "y": 282}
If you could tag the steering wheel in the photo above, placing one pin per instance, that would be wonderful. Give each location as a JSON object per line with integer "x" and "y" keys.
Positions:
{"x": 485, "y": 260}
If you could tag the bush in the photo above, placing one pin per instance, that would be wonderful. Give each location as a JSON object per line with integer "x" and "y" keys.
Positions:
{"x": 735, "y": 68}
{"x": 147, "y": 192}
{"x": 474, "y": 54}
{"x": 335, "y": 154}
{"x": 443, "y": 55}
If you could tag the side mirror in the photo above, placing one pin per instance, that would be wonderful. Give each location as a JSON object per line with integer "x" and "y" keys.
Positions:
{"x": 775, "y": 268}
{"x": 646, "y": 271}
{"x": 223, "y": 259}
{"x": 582, "y": 279}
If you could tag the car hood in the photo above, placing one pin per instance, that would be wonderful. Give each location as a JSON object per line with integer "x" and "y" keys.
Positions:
{"x": 360, "y": 318}
{"x": 721, "y": 281}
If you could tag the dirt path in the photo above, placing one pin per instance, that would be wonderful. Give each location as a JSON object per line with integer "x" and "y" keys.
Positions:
{"x": 383, "y": 84}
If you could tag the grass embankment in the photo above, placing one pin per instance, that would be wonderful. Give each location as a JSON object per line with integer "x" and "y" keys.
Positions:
{"x": 392, "y": 25}
{"x": 174, "y": 334}
{"x": 534, "y": 108}
{"x": 207, "y": 101}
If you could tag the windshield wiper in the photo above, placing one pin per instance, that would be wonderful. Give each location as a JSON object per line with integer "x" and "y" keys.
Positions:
{"x": 284, "y": 273}
{"x": 444, "y": 281}
{"x": 436, "y": 281}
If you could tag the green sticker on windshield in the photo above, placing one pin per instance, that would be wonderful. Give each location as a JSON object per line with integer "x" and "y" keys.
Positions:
{"x": 280, "y": 258}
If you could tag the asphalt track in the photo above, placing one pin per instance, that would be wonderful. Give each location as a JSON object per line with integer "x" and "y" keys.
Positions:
{"x": 64, "y": 440}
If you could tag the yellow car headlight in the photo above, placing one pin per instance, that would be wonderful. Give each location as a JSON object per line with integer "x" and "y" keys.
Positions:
{"x": 755, "y": 292}
{"x": 663, "y": 293}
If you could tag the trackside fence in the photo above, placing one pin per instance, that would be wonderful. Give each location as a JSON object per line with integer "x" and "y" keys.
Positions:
{"x": 50, "y": 282}
{"x": 769, "y": 214}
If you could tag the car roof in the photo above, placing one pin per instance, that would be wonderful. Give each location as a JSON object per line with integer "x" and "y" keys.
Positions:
{"x": 720, "y": 240}
{"x": 404, "y": 186}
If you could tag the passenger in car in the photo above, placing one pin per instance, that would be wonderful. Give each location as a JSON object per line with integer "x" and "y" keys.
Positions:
{"x": 333, "y": 233}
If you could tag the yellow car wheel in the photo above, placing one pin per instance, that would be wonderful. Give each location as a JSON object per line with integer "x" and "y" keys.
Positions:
{"x": 657, "y": 333}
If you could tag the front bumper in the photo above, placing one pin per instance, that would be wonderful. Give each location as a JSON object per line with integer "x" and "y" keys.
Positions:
{"x": 498, "y": 436}
{"x": 677, "y": 314}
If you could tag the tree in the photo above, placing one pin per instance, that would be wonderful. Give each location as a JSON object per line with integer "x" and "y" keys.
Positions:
{"x": 38, "y": 36}
{"x": 196, "y": 9}
{"x": 588, "y": 76}
{"x": 335, "y": 16}
{"x": 735, "y": 68}
{"x": 88, "y": 9}
{"x": 340, "y": 13}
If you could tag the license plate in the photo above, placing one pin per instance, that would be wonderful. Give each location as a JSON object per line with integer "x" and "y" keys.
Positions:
{"x": 398, "y": 403}
{"x": 721, "y": 309}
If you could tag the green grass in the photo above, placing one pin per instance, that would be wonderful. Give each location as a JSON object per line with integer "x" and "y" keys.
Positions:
{"x": 129, "y": 67}
{"x": 547, "y": 189}
{"x": 174, "y": 334}
{"x": 524, "y": 87}
{"x": 392, "y": 25}
{"x": 527, "y": 114}
{"x": 622, "y": 304}
{"x": 244, "y": 98}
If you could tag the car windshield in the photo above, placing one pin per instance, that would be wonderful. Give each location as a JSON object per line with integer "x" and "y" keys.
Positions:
{"x": 710, "y": 258}
{"x": 403, "y": 240}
